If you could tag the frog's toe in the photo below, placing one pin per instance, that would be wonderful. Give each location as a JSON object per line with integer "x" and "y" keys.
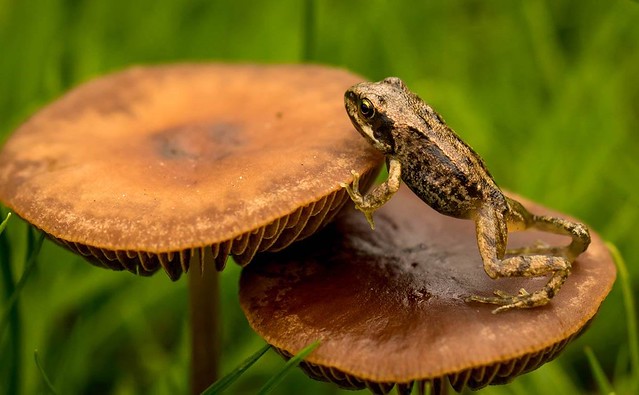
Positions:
{"x": 506, "y": 301}
{"x": 522, "y": 300}
{"x": 502, "y": 295}
{"x": 505, "y": 307}
{"x": 500, "y": 298}
{"x": 355, "y": 179}
{"x": 355, "y": 196}
{"x": 369, "y": 218}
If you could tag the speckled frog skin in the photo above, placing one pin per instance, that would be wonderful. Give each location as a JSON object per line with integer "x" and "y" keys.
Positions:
{"x": 427, "y": 155}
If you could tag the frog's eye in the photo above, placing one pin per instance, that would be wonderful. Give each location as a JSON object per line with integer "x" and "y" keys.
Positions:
{"x": 366, "y": 108}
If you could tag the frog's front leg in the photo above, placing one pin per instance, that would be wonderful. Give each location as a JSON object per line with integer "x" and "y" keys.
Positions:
{"x": 492, "y": 224}
{"x": 378, "y": 196}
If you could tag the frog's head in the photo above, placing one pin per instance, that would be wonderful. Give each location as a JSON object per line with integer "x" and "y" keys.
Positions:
{"x": 373, "y": 108}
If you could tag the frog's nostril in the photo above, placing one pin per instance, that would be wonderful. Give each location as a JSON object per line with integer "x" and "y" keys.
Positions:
{"x": 350, "y": 94}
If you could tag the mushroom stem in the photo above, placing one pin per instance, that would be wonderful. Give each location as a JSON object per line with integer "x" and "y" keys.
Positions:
{"x": 204, "y": 306}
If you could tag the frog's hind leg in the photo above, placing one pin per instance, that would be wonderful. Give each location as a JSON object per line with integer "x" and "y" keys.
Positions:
{"x": 492, "y": 235}
{"x": 519, "y": 219}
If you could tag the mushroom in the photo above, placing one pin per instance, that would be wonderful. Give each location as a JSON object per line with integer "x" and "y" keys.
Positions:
{"x": 388, "y": 306}
{"x": 182, "y": 165}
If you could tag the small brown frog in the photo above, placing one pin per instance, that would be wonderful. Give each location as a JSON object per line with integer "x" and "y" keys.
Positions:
{"x": 449, "y": 176}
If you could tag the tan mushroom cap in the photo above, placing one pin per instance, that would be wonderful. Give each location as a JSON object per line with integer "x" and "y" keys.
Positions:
{"x": 388, "y": 305}
{"x": 139, "y": 169}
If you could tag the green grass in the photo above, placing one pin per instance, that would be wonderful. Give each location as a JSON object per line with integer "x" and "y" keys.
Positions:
{"x": 546, "y": 91}
{"x": 45, "y": 378}
{"x": 222, "y": 384}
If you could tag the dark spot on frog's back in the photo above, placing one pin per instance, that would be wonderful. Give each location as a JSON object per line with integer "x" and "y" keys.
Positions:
{"x": 210, "y": 142}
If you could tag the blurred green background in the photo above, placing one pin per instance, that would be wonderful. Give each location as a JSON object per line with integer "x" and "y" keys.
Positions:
{"x": 546, "y": 91}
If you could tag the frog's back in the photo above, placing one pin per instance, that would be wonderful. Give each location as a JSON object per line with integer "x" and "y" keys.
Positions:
{"x": 441, "y": 169}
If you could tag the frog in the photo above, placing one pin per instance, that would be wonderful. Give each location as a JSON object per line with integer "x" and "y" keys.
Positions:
{"x": 424, "y": 153}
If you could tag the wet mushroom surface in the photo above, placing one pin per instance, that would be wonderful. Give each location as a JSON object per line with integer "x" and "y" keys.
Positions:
{"x": 388, "y": 305}
{"x": 141, "y": 169}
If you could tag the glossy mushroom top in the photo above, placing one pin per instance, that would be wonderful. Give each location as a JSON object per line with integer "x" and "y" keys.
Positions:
{"x": 388, "y": 305}
{"x": 175, "y": 157}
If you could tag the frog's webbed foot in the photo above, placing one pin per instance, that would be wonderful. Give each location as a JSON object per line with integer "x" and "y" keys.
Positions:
{"x": 377, "y": 197}
{"x": 361, "y": 202}
{"x": 523, "y": 299}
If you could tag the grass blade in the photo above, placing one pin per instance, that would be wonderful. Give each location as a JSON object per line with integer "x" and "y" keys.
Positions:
{"x": 631, "y": 317}
{"x": 226, "y": 381}
{"x": 31, "y": 261}
{"x": 11, "y": 374}
{"x": 600, "y": 377}
{"x": 290, "y": 364}
{"x": 4, "y": 223}
{"x": 44, "y": 375}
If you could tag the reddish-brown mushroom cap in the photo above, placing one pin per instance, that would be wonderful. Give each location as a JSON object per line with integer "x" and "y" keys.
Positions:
{"x": 142, "y": 168}
{"x": 388, "y": 305}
